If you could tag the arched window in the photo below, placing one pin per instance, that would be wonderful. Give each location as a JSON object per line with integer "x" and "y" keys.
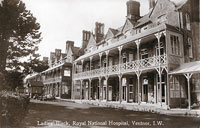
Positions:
{"x": 187, "y": 21}
{"x": 190, "y": 47}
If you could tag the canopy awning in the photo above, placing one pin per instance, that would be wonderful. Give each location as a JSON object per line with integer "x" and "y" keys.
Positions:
{"x": 191, "y": 67}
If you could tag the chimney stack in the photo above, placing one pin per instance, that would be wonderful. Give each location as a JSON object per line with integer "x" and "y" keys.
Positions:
{"x": 133, "y": 10}
{"x": 152, "y": 4}
{"x": 69, "y": 44}
{"x": 85, "y": 38}
{"x": 99, "y": 31}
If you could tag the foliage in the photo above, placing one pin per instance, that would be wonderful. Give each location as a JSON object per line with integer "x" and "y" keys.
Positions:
{"x": 35, "y": 65}
{"x": 14, "y": 79}
{"x": 13, "y": 108}
{"x": 3, "y": 83}
{"x": 19, "y": 34}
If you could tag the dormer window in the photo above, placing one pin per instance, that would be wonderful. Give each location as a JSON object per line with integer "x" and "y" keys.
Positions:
{"x": 138, "y": 30}
{"x": 187, "y": 21}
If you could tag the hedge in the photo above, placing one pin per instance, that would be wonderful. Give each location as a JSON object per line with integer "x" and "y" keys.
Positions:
{"x": 13, "y": 108}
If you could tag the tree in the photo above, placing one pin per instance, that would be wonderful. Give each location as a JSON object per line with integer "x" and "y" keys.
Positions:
{"x": 35, "y": 65}
{"x": 19, "y": 34}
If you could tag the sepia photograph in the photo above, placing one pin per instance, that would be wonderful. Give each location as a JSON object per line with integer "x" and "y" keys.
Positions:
{"x": 99, "y": 64}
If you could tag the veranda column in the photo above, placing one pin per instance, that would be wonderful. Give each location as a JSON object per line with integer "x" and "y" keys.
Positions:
{"x": 60, "y": 75}
{"x": 89, "y": 89}
{"x": 138, "y": 72}
{"x": 107, "y": 88}
{"x": 81, "y": 90}
{"x": 100, "y": 87}
{"x": 73, "y": 81}
{"x": 119, "y": 75}
{"x": 100, "y": 90}
{"x": 107, "y": 69}
{"x": 188, "y": 76}
{"x": 168, "y": 79}
{"x": 90, "y": 80}
{"x": 60, "y": 92}
{"x": 158, "y": 36}
{"x": 120, "y": 88}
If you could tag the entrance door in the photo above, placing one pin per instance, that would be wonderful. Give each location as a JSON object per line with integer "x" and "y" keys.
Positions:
{"x": 161, "y": 89}
{"x": 145, "y": 92}
{"x": 86, "y": 93}
{"x": 163, "y": 92}
{"x": 110, "y": 93}
{"x": 130, "y": 92}
{"x": 98, "y": 92}
{"x": 104, "y": 92}
{"x": 124, "y": 93}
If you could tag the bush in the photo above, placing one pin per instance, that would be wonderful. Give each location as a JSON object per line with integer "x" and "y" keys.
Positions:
{"x": 13, "y": 108}
{"x": 3, "y": 82}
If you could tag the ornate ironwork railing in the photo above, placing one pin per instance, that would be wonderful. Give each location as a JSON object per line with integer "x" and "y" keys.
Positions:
{"x": 142, "y": 64}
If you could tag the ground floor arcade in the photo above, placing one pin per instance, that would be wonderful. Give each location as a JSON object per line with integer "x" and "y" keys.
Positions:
{"x": 58, "y": 89}
{"x": 148, "y": 86}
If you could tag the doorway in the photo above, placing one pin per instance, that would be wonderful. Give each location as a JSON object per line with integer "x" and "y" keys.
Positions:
{"x": 161, "y": 88}
{"x": 145, "y": 92}
{"x": 124, "y": 93}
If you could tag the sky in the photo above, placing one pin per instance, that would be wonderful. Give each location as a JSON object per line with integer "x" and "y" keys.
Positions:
{"x": 63, "y": 20}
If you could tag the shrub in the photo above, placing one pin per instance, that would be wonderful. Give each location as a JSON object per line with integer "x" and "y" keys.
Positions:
{"x": 13, "y": 108}
{"x": 3, "y": 83}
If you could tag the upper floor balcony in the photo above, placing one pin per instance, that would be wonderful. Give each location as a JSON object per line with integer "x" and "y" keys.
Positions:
{"x": 132, "y": 66}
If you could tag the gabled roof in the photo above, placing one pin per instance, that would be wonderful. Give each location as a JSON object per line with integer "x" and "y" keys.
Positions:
{"x": 153, "y": 30}
{"x": 111, "y": 33}
{"x": 35, "y": 84}
{"x": 144, "y": 20}
{"x": 114, "y": 31}
{"x": 128, "y": 25}
{"x": 92, "y": 41}
{"x": 64, "y": 55}
{"x": 119, "y": 31}
{"x": 76, "y": 50}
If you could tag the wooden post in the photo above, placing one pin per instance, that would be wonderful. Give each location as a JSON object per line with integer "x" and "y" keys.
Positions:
{"x": 188, "y": 76}
{"x": 120, "y": 88}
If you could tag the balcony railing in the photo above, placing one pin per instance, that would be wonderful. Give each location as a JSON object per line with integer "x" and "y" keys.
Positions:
{"x": 52, "y": 79}
{"x": 142, "y": 64}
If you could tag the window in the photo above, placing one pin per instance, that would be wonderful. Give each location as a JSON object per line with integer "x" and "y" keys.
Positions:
{"x": 124, "y": 57}
{"x": 144, "y": 53}
{"x": 175, "y": 45}
{"x": 177, "y": 89}
{"x": 190, "y": 47}
{"x": 130, "y": 56}
{"x": 161, "y": 49}
{"x": 187, "y": 21}
{"x": 138, "y": 30}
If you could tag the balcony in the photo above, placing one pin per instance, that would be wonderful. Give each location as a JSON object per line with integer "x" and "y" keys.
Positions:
{"x": 132, "y": 66}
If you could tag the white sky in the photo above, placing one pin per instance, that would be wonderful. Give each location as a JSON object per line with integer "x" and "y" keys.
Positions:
{"x": 63, "y": 20}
